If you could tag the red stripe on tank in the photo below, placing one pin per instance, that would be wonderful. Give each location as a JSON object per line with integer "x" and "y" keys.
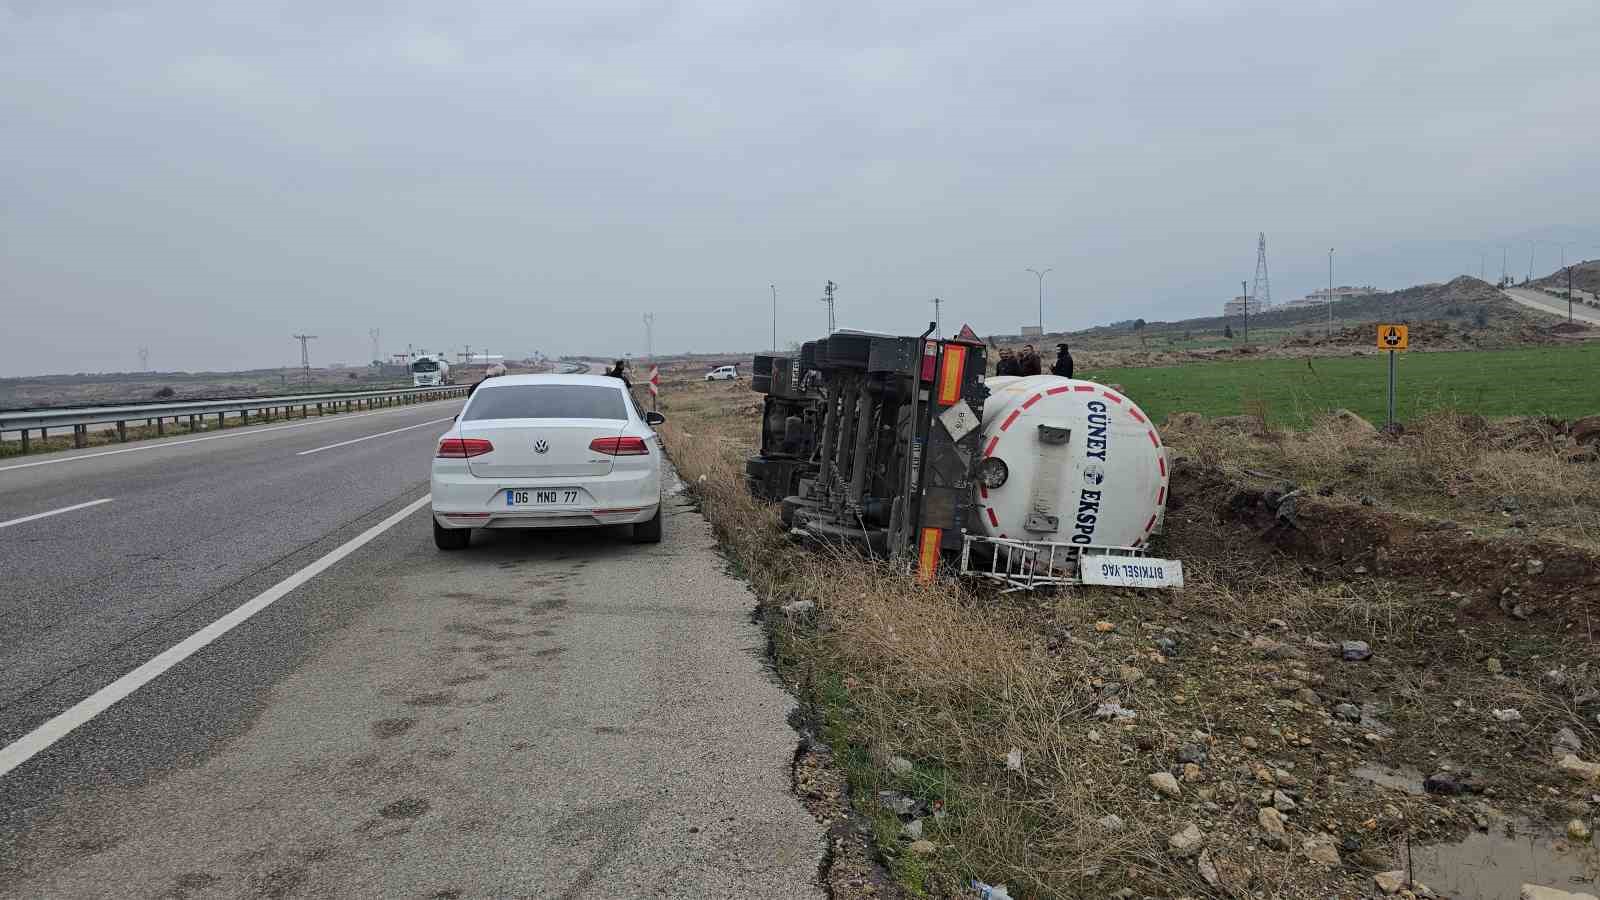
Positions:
{"x": 1032, "y": 400}
{"x": 1153, "y": 442}
{"x": 1137, "y": 417}
{"x": 1112, "y": 397}
{"x": 1059, "y": 390}
{"x": 1009, "y": 419}
{"x": 993, "y": 519}
{"x": 990, "y": 449}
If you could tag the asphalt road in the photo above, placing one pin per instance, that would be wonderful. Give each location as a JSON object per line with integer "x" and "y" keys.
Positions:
{"x": 1555, "y": 306}
{"x": 543, "y": 715}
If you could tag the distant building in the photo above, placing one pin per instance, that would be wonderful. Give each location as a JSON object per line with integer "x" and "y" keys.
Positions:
{"x": 1032, "y": 331}
{"x": 1344, "y": 292}
{"x": 1236, "y": 306}
{"x": 1303, "y": 302}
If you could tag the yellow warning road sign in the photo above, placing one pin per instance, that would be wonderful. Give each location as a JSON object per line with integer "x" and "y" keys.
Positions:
{"x": 1393, "y": 337}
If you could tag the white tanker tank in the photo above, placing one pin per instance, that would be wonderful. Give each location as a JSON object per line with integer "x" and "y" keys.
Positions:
{"x": 1068, "y": 462}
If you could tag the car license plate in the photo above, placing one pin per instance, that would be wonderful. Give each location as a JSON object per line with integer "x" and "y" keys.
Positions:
{"x": 542, "y": 497}
{"x": 1130, "y": 571}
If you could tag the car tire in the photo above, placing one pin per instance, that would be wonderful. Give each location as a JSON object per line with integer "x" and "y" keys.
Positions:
{"x": 648, "y": 532}
{"x": 451, "y": 538}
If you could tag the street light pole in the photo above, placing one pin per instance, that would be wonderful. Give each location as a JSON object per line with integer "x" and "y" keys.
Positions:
{"x": 1041, "y": 276}
{"x": 1330, "y": 293}
{"x": 1244, "y": 294}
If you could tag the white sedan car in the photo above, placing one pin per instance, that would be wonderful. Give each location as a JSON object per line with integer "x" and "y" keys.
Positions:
{"x": 548, "y": 451}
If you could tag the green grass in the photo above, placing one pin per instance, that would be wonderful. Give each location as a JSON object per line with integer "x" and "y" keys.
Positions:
{"x": 1555, "y": 381}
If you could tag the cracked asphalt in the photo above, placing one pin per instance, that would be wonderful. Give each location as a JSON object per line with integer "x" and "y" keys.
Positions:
{"x": 544, "y": 715}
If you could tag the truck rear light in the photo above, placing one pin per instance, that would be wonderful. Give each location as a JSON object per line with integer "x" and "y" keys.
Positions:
{"x": 620, "y": 446}
{"x": 463, "y": 448}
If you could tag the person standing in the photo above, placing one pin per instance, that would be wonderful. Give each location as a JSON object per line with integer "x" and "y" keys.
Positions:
{"x": 1030, "y": 361}
{"x": 620, "y": 371}
{"x": 1063, "y": 364}
{"x": 1008, "y": 363}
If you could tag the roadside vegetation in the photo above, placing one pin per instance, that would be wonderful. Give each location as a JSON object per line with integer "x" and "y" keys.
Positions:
{"x": 1223, "y": 740}
{"x": 1558, "y": 380}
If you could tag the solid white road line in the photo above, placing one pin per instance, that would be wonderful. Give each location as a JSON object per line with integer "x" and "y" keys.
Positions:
{"x": 40, "y": 739}
{"x": 371, "y": 436}
{"x": 54, "y": 512}
{"x": 243, "y": 432}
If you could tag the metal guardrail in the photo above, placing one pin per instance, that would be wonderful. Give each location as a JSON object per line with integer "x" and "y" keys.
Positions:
{"x": 80, "y": 418}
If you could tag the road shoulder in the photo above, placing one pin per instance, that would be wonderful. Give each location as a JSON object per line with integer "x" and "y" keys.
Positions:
{"x": 543, "y": 715}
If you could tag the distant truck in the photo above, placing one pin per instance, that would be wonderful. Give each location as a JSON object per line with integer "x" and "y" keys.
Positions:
{"x": 429, "y": 370}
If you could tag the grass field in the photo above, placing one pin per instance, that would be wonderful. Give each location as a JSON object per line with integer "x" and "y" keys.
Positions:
{"x": 1557, "y": 381}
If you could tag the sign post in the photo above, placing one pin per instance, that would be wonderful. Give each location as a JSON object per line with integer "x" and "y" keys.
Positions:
{"x": 1393, "y": 338}
{"x": 655, "y": 386}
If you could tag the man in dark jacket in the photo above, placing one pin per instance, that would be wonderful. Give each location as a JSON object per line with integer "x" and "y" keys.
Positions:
{"x": 620, "y": 371}
{"x": 1030, "y": 361}
{"x": 1063, "y": 366}
{"x": 1007, "y": 364}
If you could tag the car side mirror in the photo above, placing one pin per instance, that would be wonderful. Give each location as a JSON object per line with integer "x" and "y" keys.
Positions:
{"x": 653, "y": 419}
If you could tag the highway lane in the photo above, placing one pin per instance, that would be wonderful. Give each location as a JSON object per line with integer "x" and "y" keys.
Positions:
{"x": 543, "y": 715}
{"x": 188, "y": 526}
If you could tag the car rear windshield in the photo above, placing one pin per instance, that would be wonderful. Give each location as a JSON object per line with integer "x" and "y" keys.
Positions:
{"x": 546, "y": 401}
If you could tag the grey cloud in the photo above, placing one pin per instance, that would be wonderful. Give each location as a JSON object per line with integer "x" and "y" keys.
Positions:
{"x": 205, "y": 179}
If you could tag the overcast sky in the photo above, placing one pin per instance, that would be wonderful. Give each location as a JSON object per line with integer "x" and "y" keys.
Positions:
{"x": 207, "y": 178}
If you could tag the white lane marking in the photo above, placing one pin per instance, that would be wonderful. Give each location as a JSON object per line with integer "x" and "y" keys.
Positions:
{"x": 371, "y": 436}
{"x": 243, "y": 432}
{"x": 40, "y": 739}
{"x": 54, "y": 512}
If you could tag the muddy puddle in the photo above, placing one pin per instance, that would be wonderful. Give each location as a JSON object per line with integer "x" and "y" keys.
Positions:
{"x": 1495, "y": 863}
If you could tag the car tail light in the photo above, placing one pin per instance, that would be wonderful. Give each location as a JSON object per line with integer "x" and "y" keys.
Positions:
{"x": 620, "y": 446}
{"x": 463, "y": 448}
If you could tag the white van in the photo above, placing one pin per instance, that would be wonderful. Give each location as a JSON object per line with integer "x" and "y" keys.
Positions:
{"x": 723, "y": 373}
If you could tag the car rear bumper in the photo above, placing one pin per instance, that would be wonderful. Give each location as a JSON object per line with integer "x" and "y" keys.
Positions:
{"x": 622, "y": 498}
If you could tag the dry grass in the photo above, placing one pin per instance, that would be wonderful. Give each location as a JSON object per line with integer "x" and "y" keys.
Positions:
{"x": 1448, "y": 465}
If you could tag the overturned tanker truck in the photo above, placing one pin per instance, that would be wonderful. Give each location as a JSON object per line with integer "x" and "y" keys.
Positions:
{"x": 902, "y": 446}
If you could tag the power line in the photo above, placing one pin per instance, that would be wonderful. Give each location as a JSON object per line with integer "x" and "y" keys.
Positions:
{"x": 938, "y": 323}
{"x": 305, "y": 354}
{"x": 828, "y": 298}
{"x": 377, "y": 349}
{"x": 1263, "y": 287}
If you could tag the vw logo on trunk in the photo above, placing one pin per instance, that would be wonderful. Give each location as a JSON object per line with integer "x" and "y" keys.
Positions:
{"x": 540, "y": 446}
